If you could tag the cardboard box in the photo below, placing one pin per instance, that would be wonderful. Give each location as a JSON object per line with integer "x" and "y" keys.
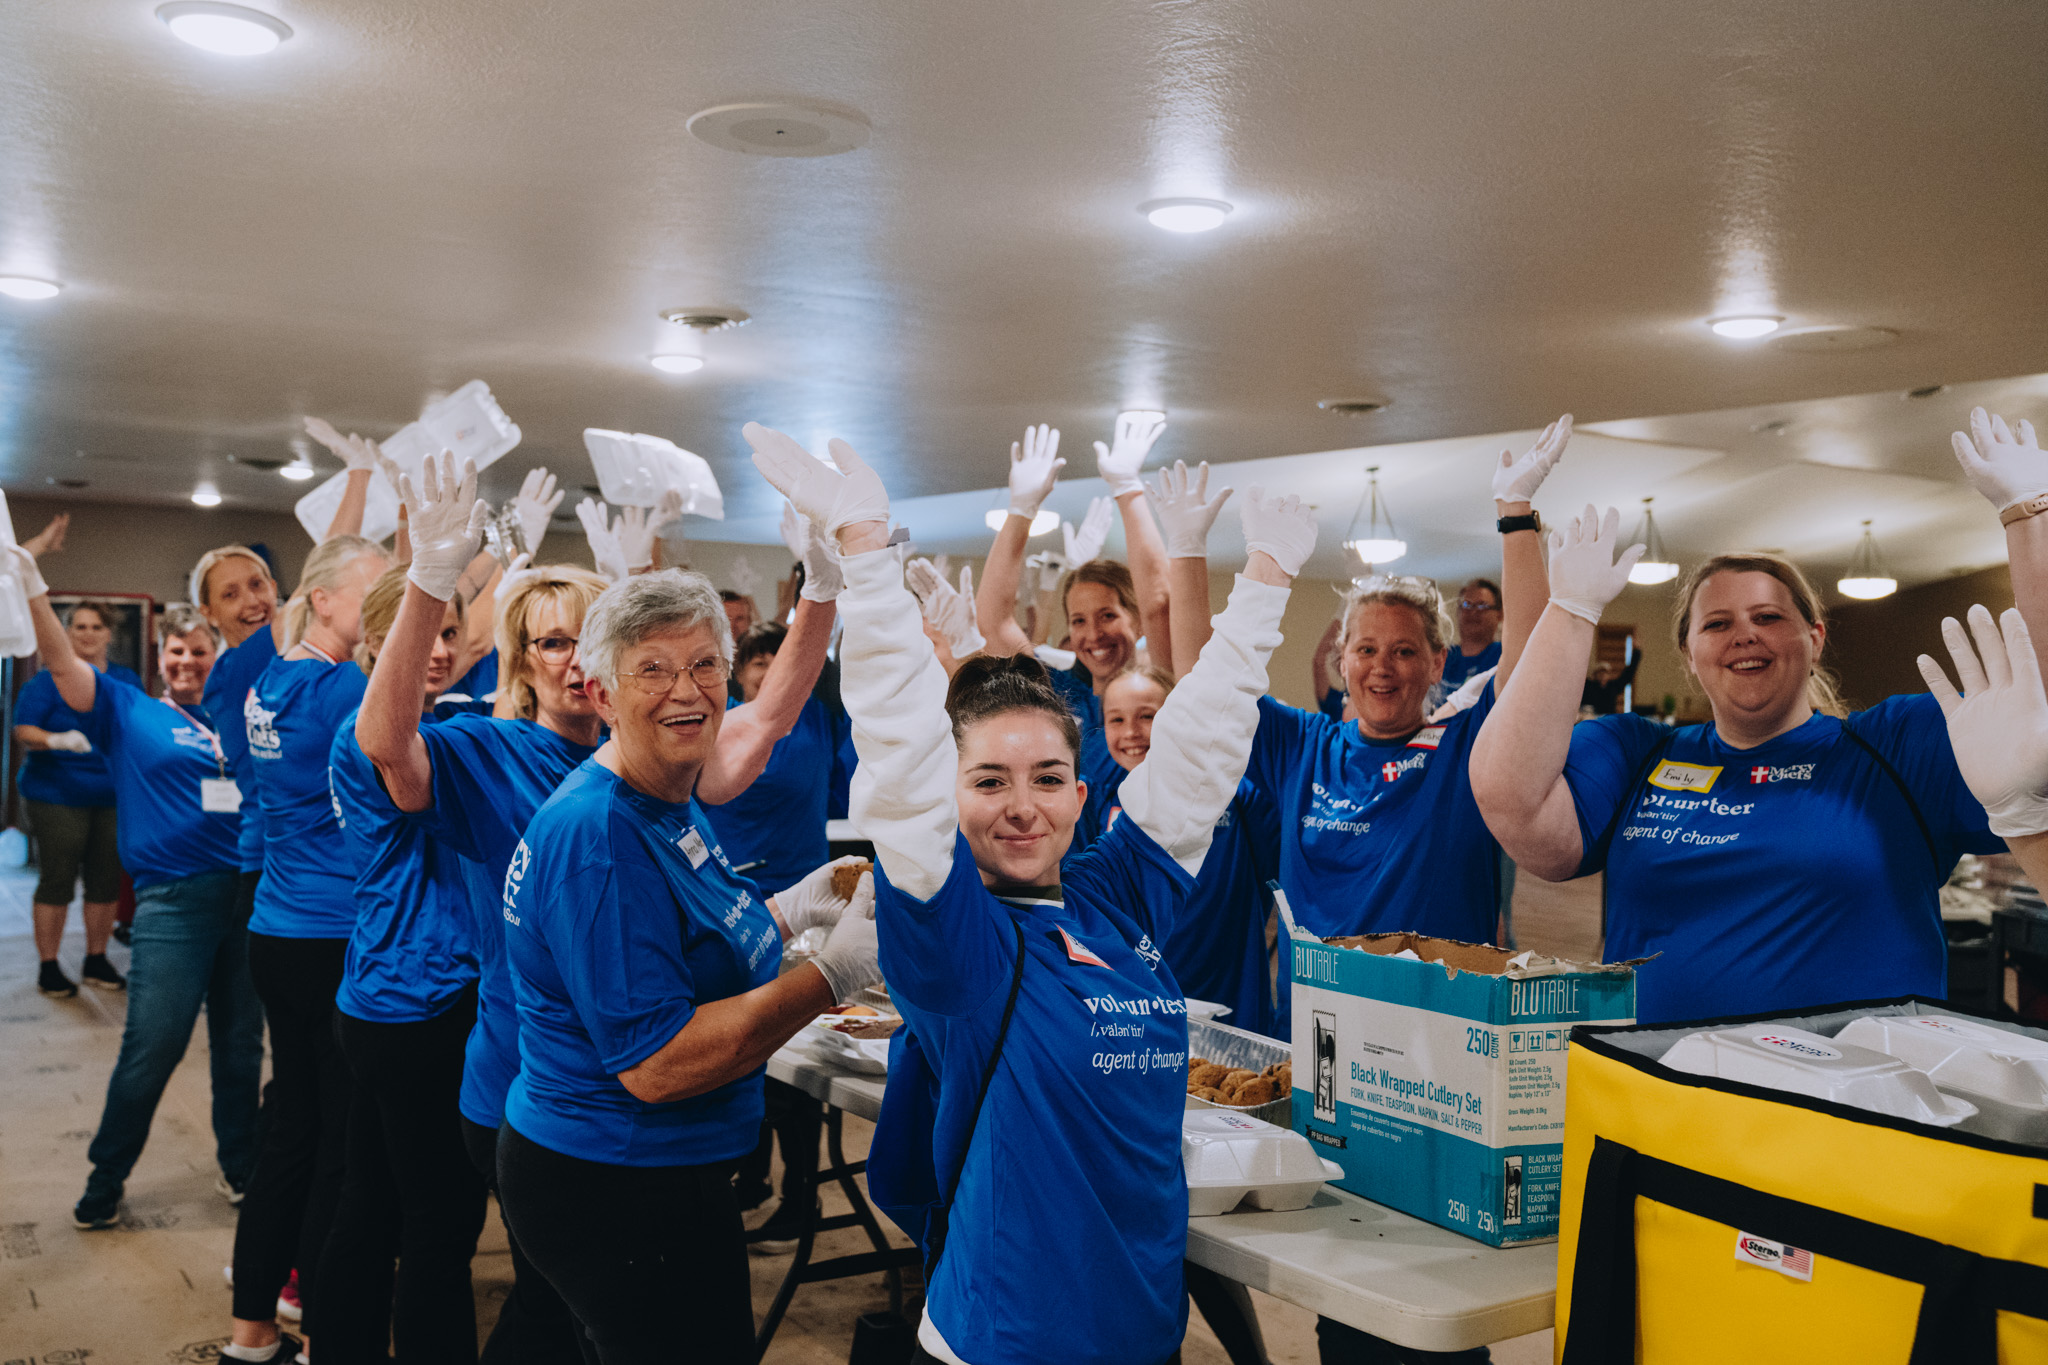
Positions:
{"x": 1433, "y": 1072}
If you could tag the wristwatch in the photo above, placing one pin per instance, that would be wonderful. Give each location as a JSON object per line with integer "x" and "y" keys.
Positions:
{"x": 2020, "y": 511}
{"x": 1530, "y": 521}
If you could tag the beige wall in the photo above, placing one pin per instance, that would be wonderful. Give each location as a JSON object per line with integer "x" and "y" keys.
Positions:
{"x": 1872, "y": 646}
{"x": 125, "y": 547}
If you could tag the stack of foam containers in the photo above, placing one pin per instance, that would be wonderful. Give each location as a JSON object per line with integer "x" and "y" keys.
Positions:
{"x": 634, "y": 470}
{"x": 2004, "y": 1075}
{"x": 1804, "y": 1063}
{"x": 468, "y": 422}
{"x": 1235, "y": 1160}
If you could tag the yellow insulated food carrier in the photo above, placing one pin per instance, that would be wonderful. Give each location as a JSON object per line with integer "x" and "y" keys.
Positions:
{"x": 1714, "y": 1220}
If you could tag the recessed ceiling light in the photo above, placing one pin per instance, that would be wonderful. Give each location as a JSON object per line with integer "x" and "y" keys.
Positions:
{"x": 1745, "y": 328}
{"x": 228, "y": 30}
{"x": 206, "y": 496}
{"x": 1185, "y": 215}
{"x": 780, "y": 128}
{"x": 298, "y": 473}
{"x": 677, "y": 364}
{"x": 22, "y": 287}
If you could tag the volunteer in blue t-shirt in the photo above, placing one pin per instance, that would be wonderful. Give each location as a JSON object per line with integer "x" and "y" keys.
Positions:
{"x": 1478, "y": 616}
{"x": 178, "y": 843}
{"x": 971, "y": 795}
{"x": 298, "y": 935}
{"x": 70, "y": 798}
{"x": 233, "y": 587}
{"x": 1783, "y": 856}
{"x": 646, "y": 977}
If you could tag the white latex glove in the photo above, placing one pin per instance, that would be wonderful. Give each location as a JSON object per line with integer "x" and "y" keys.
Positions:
{"x": 1999, "y": 726}
{"x": 824, "y": 572}
{"x": 832, "y": 494}
{"x": 1282, "y": 527}
{"x": 1465, "y": 698}
{"x": 447, "y": 520}
{"x": 636, "y": 538}
{"x": 1034, "y": 469}
{"x": 851, "y": 959}
{"x": 1086, "y": 543}
{"x": 1517, "y": 480}
{"x": 69, "y": 741}
{"x": 745, "y": 581}
{"x": 2007, "y": 467}
{"x": 603, "y": 538}
{"x": 357, "y": 452}
{"x": 1118, "y": 464}
{"x": 534, "y": 506}
{"x": 25, "y": 569}
{"x": 1185, "y": 510}
{"x": 810, "y": 902}
{"x": 1584, "y": 574}
{"x": 1051, "y": 566}
{"x": 792, "y": 528}
{"x": 668, "y": 510}
{"x": 949, "y": 609}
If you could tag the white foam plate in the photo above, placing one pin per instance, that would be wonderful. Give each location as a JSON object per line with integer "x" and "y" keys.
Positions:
{"x": 1804, "y": 1063}
{"x": 1232, "y": 1160}
{"x": 2004, "y": 1074}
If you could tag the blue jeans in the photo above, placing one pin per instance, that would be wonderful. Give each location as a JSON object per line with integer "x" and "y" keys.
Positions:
{"x": 190, "y": 948}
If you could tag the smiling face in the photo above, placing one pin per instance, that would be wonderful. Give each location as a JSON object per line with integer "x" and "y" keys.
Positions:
{"x": 1019, "y": 797}
{"x": 1128, "y": 706}
{"x": 664, "y": 736}
{"x": 185, "y": 661}
{"x": 89, "y": 635}
{"x": 240, "y": 597}
{"x": 1389, "y": 668}
{"x": 1101, "y": 630}
{"x": 1752, "y": 651}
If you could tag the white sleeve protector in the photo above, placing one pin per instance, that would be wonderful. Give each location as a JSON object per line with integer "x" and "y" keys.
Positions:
{"x": 895, "y": 695}
{"x": 1202, "y": 736}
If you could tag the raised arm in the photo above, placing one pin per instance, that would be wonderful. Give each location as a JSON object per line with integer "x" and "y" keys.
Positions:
{"x": 1517, "y": 765}
{"x": 1118, "y": 464}
{"x": 1034, "y": 468}
{"x": 1186, "y": 512}
{"x": 1998, "y": 728}
{"x": 1524, "y": 583}
{"x": 749, "y": 734}
{"x": 1202, "y": 736}
{"x": 360, "y": 454}
{"x": 890, "y": 680}
{"x": 2010, "y": 469}
{"x": 448, "y": 523}
{"x": 76, "y": 682}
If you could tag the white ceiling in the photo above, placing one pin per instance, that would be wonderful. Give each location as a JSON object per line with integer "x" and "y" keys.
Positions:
{"x": 1487, "y": 214}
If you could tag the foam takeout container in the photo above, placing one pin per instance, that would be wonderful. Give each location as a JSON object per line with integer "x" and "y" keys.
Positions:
{"x": 2004, "y": 1074}
{"x": 1803, "y": 1063}
{"x": 1235, "y": 1160}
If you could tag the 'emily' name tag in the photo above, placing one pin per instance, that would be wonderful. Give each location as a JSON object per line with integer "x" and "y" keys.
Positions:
{"x": 692, "y": 845}
{"x": 219, "y": 795}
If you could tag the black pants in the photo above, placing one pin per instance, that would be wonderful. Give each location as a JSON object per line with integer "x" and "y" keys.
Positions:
{"x": 534, "y": 1326}
{"x": 649, "y": 1258}
{"x": 292, "y": 1192}
{"x": 1338, "y": 1344}
{"x": 410, "y": 1194}
{"x": 790, "y": 1116}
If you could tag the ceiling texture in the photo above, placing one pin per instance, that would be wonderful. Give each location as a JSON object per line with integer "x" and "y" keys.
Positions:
{"x": 1483, "y": 214}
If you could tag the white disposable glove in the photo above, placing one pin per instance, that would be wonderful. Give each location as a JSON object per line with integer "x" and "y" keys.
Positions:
{"x": 1185, "y": 510}
{"x": 1517, "y": 480}
{"x": 447, "y": 520}
{"x": 2007, "y": 467}
{"x": 69, "y": 741}
{"x": 636, "y": 538}
{"x": 668, "y": 509}
{"x": 832, "y": 494}
{"x": 1052, "y": 567}
{"x": 824, "y": 572}
{"x": 357, "y": 452}
{"x": 1584, "y": 574}
{"x": 1282, "y": 527}
{"x": 851, "y": 958}
{"x": 1999, "y": 726}
{"x": 1118, "y": 464}
{"x": 810, "y": 902}
{"x": 603, "y": 537}
{"x": 25, "y": 569}
{"x": 1034, "y": 469}
{"x": 745, "y": 581}
{"x": 949, "y": 609}
{"x": 1086, "y": 543}
{"x": 533, "y": 506}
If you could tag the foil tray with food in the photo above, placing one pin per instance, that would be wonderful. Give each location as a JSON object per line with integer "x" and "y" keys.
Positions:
{"x": 1244, "y": 1072}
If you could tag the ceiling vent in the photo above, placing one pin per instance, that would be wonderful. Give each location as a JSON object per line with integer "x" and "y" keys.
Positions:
{"x": 780, "y": 128}
{"x": 706, "y": 319}
{"x": 1353, "y": 407}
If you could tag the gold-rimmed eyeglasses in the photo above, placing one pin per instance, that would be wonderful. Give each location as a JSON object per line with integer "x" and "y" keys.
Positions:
{"x": 655, "y": 677}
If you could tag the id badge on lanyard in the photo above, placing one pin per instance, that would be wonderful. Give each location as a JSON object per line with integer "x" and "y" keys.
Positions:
{"x": 217, "y": 795}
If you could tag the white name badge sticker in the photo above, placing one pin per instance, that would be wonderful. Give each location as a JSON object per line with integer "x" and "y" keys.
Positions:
{"x": 692, "y": 845}
{"x": 219, "y": 795}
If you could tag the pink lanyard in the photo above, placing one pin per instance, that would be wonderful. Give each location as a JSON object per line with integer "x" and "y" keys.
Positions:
{"x": 211, "y": 738}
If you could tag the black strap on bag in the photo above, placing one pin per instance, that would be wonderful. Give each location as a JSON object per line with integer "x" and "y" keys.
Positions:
{"x": 941, "y": 1217}
{"x": 1907, "y": 792}
{"x": 1964, "y": 1292}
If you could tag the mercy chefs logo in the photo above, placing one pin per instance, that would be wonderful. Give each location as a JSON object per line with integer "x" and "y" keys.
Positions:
{"x": 1796, "y": 772}
{"x": 1392, "y": 770}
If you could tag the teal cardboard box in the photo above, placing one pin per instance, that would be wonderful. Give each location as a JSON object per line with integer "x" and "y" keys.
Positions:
{"x": 1433, "y": 1072}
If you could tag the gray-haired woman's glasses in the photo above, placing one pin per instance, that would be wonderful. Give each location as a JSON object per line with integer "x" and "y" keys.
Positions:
{"x": 657, "y": 678}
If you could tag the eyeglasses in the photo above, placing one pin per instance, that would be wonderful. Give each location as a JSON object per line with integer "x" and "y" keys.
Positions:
{"x": 554, "y": 648}
{"x": 1464, "y": 605}
{"x": 657, "y": 678}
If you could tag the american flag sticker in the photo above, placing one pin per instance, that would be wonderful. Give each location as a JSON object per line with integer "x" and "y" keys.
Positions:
{"x": 1078, "y": 953}
{"x": 1795, "y": 1262}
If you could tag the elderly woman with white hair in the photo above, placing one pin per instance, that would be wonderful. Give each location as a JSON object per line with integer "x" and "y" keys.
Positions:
{"x": 646, "y": 977}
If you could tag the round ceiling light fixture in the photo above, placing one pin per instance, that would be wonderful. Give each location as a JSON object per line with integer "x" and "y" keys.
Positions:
{"x": 1185, "y": 215}
{"x": 1745, "y": 328}
{"x": 206, "y": 495}
{"x": 22, "y": 287}
{"x": 224, "y": 29}
{"x": 780, "y": 128}
{"x": 677, "y": 364}
{"x": 1040, "y": 524}
{"x": 298, "y": 473}
{"x": 1834, "y": 337}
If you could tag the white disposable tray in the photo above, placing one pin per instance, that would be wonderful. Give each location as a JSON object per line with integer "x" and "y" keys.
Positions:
{"x": 1826, "y": 1068}
{"x": 1233, "y": 1159}
{"x": 468, "y": 422}
{"x": 634, "y": 470}
{"x": 1205, "y": 1009}
{"x": 2004, "y": 1074}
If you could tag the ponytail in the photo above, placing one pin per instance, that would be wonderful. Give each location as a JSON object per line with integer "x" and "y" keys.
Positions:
{"x": 987, "y": 686}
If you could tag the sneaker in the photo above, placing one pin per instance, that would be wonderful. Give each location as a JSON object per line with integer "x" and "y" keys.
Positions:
{"x": 289, "y": 1348}
{"x": 97, "y": 971}
{"x": 124, "y": 934}
{"x": 288, "y": 1307}
{"x": 753, "y": 1195}
{"x": 779, "y": 1235}
{"x": 230, "y": 1190}
{"x": 52, "y": 982}
{"x": 90, "y": 1214}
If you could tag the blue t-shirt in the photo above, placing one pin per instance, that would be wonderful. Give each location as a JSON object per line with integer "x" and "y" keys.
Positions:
{"x": 308, "y": 888}
{"x": 227, "y": 696}
{"x": 490, "y": 777}
{"x": 1067, "y": 1231}
{"x": 1458, "y": 666}
{"x": 61, "y": 778}
{"x": 1781, "y": 877}
{"x": 159, "y": 756}
{"x": 412, "y": 950}
{"x": 1076, "y": 687}
{"x": 481, "y": 680}
{"x": 620, "y": 918}
{"x": 774, "y": 831}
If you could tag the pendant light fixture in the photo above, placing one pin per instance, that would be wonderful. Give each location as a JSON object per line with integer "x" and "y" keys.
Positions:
{"x": 1655, "y": 566}
{"x": 1869, "y": 577}
{"x": 1377, "y": 542}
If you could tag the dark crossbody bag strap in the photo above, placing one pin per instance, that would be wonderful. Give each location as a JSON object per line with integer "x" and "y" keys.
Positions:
{"x": 988, "y": 1076}
{"x": 1926, "y": 832}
